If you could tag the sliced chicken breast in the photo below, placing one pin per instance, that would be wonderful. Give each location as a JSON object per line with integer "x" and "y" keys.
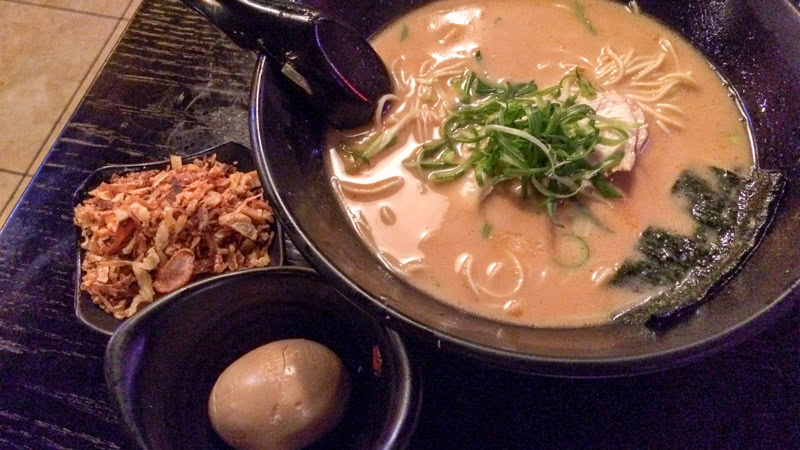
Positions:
{"x": 616, "y": 106}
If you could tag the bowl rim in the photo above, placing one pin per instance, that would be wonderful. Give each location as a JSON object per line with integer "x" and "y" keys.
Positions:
{"x": 570, "y": 367}
{"x": 101, "y": 174}
{"x": 399, "y": 426}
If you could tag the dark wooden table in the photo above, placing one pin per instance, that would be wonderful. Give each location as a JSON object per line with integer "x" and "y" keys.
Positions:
{"x": 175, "y": 84}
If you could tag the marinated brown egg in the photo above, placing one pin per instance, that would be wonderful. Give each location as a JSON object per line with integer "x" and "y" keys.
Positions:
{"x": 282, "y": 395}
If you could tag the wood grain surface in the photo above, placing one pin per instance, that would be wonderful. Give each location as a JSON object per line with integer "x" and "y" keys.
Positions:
{"x": 175, "y": 84}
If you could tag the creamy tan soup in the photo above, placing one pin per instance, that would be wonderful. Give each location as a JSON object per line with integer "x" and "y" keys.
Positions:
{"x": 495, "y": 254}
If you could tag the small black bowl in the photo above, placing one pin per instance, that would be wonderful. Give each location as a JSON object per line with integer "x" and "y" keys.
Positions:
{"x": 230, "y": 153}
{"x": 161, "y": 364}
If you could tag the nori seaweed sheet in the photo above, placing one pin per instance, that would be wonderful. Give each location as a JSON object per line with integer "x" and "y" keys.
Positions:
{"x": 731, "y": 211}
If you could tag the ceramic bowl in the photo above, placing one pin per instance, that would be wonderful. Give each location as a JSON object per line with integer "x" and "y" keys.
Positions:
{"x": 161, "y": 364}
{"x": 753, "y": 45}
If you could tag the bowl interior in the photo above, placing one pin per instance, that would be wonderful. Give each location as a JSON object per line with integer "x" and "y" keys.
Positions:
{"x": 744, "y": 40}
{"x": 162, "y": 363}
{"x": 86, "y": 310}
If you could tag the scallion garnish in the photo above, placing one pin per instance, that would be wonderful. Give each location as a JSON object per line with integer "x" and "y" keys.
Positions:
{"x": 581, "y": 13}
{"x": 356, "y": 156}
{"x": 570, "y": 251}
{"x": 404, "y": 33}
{"x": 486, "y": 230}
{"x": 541, "y": 138}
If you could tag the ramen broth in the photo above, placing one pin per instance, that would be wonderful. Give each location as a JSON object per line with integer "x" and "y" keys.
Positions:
{"x": 498, "y": 255}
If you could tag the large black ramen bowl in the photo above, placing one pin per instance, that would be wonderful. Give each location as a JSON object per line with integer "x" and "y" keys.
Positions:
{"x": 161, "y": 364}
{"x": 753, "y": 43}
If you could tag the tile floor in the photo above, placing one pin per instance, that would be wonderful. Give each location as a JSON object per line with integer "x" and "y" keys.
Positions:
{"x": 42, "y": 80}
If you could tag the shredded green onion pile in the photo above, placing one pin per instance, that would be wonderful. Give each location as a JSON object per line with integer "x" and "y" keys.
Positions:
{"x": 538, "y": 137}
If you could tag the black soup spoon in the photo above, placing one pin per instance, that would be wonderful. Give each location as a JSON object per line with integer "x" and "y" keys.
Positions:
{"x": 335, "y": 66}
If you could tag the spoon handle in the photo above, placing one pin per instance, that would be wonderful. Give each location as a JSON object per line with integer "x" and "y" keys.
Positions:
{"x": 334, "y": 67}
{"x": 268, "y": 26}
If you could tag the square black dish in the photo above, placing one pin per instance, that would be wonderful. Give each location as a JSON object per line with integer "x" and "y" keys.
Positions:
{"x": 230, "y": 153}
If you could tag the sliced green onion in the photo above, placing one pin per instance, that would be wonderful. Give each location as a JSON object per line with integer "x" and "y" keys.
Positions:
{"x": 486, "y": 231}
{"x": 355, "y": 157}
{"x": 605, "y": 188}
{"x": 521, "y": 132}
{"x": 570, "y": 251}
{"x": 581, "y": 13}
